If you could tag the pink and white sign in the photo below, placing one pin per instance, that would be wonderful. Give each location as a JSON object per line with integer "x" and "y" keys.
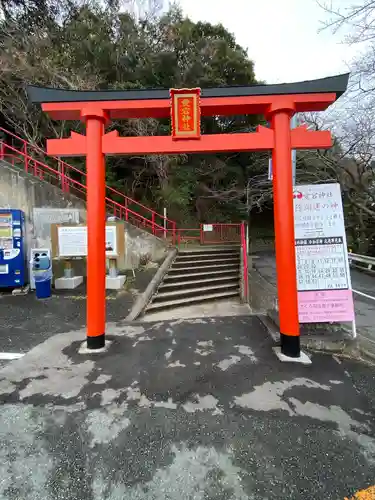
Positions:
{"x": 325, "y": 306}
{"x": 323, "y": 274}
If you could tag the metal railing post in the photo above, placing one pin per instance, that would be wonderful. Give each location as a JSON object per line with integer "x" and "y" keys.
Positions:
{"x": 25, "y": 157}
{"x": 153, "y": 222}
{"x": 245, "y": 264}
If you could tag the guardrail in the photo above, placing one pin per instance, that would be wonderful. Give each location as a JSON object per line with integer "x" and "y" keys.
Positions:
{"x": 362, "y": 262}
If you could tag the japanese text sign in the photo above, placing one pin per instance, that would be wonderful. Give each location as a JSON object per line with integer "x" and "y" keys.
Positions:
{"x": 72, "y": 241}
{"x": 323, "y": 274}
{"x": 185, "y": 113}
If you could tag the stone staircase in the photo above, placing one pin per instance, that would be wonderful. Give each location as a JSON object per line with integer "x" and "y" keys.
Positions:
{"x": 199, "y": 275}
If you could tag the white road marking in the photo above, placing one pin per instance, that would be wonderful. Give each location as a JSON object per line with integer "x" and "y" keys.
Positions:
{"x": 364, "y": 294}
{"x": 11, "y": 355}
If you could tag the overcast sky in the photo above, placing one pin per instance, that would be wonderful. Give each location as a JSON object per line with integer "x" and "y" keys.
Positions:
{"x": 281, "y": 36}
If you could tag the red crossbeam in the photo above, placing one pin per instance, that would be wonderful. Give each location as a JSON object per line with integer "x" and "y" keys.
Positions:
{"x": 261, "y": 140}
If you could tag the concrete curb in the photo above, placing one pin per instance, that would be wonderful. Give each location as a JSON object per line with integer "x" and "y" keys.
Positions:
{"x": 344, "y": 348}
{"x": 145, "y": 298}
{"x": 366, "y": 348}
{"x": 263, "y": 298}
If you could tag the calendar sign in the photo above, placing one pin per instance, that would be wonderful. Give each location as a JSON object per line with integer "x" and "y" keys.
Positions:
{"x": 323, "y": 274}
{"x": 321, "y": 264}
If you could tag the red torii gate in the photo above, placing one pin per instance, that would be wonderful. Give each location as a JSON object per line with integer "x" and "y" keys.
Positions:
{"x": 278, "y": 103}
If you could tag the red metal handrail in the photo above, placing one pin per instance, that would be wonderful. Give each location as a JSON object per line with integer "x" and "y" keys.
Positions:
{"x": 244, "y": 260}
{"x": 150, "y": 219}
{"x": 220, "y": 233}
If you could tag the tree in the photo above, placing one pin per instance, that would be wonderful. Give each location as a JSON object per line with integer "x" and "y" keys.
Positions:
{"x": 95, "y": 45}
{"x": 351, "y": 161}
{"x": 358, "y": 20}
{"x": 348, "y": 164}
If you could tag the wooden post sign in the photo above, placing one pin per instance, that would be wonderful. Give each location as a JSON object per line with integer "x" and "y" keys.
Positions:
{"x": 185, "y": 113}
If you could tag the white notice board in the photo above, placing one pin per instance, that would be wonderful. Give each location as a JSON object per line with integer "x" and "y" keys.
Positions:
{"x": 72, "y": 241}
{"x": 323, "y": 274}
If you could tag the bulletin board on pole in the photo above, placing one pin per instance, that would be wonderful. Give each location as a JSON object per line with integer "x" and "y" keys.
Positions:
{"x": 323, "y": 274}
{"x": 70, "y": 241}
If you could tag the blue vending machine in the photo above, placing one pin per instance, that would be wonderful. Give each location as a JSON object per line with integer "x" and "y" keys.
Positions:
{"x": 13, "y": 257}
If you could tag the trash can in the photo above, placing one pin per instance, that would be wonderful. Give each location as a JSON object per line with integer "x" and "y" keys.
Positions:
{"x": 41, "y": 269}
{"x": 43, "y": 280}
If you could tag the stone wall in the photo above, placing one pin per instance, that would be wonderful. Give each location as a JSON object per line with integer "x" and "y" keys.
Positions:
{"x": 262, "y": 294}
{"x": 44, "y": 204}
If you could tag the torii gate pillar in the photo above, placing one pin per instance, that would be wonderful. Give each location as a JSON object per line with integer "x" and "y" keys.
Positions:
{"x": 284, "y": 228}
{"x": 96, "y": 217}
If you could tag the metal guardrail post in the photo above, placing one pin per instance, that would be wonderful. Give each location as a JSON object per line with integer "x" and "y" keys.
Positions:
{"x": 362, "y": 259}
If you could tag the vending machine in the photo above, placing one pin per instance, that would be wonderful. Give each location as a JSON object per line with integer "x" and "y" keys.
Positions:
{"x": 13, "y": 257}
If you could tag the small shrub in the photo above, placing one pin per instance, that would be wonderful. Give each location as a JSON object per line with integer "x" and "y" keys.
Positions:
{"x": 144, "y": 259}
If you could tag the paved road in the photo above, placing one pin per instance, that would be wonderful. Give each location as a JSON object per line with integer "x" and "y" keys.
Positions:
{"x": 364, "y": 306}
{"x": 196, "y": 410}
{"x": 363, "y": 282}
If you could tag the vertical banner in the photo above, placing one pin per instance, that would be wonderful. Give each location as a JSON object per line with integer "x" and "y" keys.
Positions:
{"x": 323, "y": 273}
{"x": 185, "y": 113}
{"x": 270, "y": 172}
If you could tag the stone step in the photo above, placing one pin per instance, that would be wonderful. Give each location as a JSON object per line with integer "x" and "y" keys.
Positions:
{"x": 232, "y": 272}
{"x": 198, "y": 291}
{"x": 208, "y": 255}
{"x": 210, "y": 268}
{"x": 185, "y": 263}
{"x": 159, "y": 306}
{"x": 212, "y": 249}
{"x": 167, "y": 286}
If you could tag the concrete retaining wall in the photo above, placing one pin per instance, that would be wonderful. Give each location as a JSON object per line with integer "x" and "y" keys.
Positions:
{"x": 21, "y": 191}
{"x": 261, "y": 244}
{"x": 262, "y": 294}
{"x": 321, "y": 336}
{"x": 44, "y": 204}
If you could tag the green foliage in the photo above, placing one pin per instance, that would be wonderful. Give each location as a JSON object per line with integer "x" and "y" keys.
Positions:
{"x": 93, "y": 45}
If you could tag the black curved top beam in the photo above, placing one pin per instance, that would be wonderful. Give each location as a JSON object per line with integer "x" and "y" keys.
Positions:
{"x": 333, "y": 84}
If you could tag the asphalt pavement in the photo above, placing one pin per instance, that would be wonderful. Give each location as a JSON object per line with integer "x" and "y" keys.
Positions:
{"x": 194, "y": 409}
{"x": 26, "y": 321}
{"x": 363, "y": 282}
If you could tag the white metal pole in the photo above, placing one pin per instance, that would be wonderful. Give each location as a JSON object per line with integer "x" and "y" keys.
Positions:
{"x": 247, "y": 239}
{"x": 354, "y": 329}
{"x": 165, "y": 221}
{"x": 293, "y": 124}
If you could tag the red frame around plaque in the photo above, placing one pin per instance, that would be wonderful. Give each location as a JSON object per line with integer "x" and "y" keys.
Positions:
{"x": 185, "y": 113}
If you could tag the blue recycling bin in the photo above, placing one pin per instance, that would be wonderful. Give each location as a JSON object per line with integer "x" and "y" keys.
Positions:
{"x": 41, "y": 267}
{"x": 43, "y": 287}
